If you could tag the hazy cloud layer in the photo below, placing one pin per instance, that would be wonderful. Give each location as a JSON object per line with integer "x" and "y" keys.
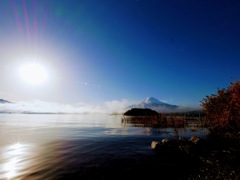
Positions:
{"x": 109, "y": 107}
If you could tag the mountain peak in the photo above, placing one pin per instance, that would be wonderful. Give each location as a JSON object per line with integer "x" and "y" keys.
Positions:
{"x": 154, "y": 104}
{"x": 151, "y": 100}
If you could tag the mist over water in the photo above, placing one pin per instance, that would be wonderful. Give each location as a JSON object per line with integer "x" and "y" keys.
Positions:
{"x": 40, "y": 146}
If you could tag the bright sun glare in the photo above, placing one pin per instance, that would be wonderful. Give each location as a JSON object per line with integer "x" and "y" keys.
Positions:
{"x": 33, "y": 73}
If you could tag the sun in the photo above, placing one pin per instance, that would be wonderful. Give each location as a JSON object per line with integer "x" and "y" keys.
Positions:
{"x": 33, "y": 73}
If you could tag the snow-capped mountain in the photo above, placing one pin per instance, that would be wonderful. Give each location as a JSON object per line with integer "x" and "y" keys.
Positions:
{"x": 154, "y": 104}
{"x": 159, "y": 106}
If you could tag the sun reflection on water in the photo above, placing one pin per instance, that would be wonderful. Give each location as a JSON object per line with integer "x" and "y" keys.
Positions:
{"x": 14, "y": 160}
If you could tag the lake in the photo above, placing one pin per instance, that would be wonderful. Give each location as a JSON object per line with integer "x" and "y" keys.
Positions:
{"x": 89, "y": 146}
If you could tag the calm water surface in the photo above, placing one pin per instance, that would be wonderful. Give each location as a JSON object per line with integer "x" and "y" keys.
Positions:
{"x": 40, "y": 146}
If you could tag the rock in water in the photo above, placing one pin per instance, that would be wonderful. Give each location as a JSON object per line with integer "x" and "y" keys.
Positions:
{"x": 155, "y": 144}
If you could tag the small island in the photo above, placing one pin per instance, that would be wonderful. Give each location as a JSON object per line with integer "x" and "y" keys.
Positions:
{"x": 141, "y": 112}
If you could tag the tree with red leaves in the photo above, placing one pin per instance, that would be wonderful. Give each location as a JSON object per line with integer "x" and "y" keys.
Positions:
{"x": 223, "y": 109}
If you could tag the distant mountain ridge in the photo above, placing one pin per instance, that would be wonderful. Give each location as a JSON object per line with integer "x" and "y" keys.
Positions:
{"x": 3, "y": 101}
{"x": 159, "y": 106}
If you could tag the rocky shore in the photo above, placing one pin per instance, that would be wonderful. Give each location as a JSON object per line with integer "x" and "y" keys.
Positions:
{"x": 216, "y": 157}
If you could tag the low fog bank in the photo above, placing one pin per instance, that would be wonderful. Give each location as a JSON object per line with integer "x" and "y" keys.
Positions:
{"x": 188, "y": 109}
{"x": 108, "y": 107}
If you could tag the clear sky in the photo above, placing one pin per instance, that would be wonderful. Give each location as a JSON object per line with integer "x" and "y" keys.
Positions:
{"x": 95, "y": 51}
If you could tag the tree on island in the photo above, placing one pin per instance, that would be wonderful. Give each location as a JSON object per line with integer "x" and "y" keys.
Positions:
{"x": 223, "y": 109}
{"x": 141, "y": 112}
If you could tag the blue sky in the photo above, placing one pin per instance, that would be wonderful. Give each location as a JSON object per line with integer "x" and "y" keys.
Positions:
{"x": 102, "y": 50}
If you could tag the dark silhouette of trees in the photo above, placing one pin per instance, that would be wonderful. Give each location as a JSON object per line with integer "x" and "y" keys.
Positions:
{"x": 141, "y": 112}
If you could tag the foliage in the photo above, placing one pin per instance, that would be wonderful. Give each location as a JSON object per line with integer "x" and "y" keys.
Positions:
{"x": 223, "y": 109}
{"x": 141, "y": 112}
